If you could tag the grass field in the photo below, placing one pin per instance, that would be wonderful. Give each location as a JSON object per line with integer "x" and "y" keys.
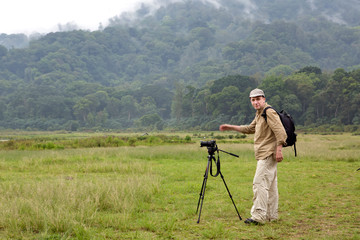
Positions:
{"x": 151, "y": 191}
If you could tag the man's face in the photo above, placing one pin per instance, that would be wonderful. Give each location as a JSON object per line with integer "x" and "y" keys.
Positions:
{"x": 258, "y": 102}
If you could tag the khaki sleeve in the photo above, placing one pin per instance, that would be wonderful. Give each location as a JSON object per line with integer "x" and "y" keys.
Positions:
{"x": 248, "y": 129}
{"x": 276, "y": 126}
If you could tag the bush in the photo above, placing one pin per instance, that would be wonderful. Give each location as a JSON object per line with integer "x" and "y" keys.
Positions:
{"x": 351, "y": 128}
{"x": 132, "y": 142}
{"x": 239, "y": 136}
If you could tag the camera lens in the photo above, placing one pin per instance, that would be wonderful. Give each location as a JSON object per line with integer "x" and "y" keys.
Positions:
{"x": 210, "y": 143}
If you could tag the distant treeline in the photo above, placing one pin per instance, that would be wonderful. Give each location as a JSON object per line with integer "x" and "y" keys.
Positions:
{"x": 312, "y": 97}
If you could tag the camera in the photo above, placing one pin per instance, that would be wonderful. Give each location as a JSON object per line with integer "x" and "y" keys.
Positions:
{"x": 211, "y": 143}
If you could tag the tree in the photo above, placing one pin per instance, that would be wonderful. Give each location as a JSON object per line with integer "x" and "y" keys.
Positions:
{"x": 334, "y": 92}
{"x": 113, "y": 108}
{"x": 2, "y": 109}
{"x": 204, "y": 35}
{"x": 101, "y": 118}
{"x": 201, "y": 103}
{"x": 310, "y": 69}
{"x": 147, "y": 106}
{"x": 177, "y": 106}
{"x": 302, "y": 85}
{"x": 129, "y": 106}
{"x": 161, "y": 96}
{"x": 239, "y": 81}
{"x": 292, "y": 104}
{"x": 102, "y": 99}
{"x": 280, "y": 70}
{"x": 225, "y": 102}
{"x": 82, "y": 109}
{"x": 188, "y": 100}
{"x": 149, "y": 120}
{"x": 3, "y": 51}
{"x": 273, "y": 85}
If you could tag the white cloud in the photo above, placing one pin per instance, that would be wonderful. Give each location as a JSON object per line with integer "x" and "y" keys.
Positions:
{"x": 24, "y": 16}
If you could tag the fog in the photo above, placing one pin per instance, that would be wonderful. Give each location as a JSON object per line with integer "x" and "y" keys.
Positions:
{"x": 42, "y": 16}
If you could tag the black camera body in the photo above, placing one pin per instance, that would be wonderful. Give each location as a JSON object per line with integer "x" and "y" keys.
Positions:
{"x": 211, "y": 143}
{"x": 211, "y": 146}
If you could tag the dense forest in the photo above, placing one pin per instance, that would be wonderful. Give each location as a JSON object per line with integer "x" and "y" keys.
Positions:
{"x": 187, "y": 65}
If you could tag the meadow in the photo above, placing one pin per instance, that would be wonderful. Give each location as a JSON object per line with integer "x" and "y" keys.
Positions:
{"x": 63, "y": 186}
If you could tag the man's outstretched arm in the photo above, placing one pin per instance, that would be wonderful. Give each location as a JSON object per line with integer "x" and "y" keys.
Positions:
{"x": 228, "y": 127}
{"x": 247, "y": 129}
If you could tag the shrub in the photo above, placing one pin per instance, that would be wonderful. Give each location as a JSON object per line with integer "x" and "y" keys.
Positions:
{"x": 239, "y": 136}
{"x": 132, "y": 142}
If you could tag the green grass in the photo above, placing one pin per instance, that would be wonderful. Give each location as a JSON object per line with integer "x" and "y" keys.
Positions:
{"x": 152, "y": 191}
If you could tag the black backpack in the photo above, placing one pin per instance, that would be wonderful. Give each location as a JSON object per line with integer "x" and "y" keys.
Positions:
{"x": 289, "y": 125}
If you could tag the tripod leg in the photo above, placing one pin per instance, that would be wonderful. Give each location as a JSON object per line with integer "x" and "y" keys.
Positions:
{"x": 201, "y": 191}
{"x": 222, "y": 177}
{"x": 203, "y": 187}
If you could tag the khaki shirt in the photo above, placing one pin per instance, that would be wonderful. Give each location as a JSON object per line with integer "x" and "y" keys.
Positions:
{"x": 268, "y": 135}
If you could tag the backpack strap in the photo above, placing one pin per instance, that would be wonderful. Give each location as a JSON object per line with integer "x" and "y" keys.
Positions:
{"x": 264, "y": 112}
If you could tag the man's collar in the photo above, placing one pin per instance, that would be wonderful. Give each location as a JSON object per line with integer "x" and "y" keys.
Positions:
{"x": 260, "y": 111}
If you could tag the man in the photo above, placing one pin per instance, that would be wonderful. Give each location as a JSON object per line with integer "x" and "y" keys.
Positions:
{"x": 269, "y": 137}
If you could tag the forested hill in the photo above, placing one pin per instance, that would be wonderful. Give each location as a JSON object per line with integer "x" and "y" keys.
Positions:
{"x": 157, "y": 67}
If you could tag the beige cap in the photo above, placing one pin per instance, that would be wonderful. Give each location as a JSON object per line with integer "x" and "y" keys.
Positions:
{"x": 256, "y": 92}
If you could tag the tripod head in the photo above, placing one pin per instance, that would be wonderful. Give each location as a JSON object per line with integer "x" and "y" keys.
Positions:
{"x": 212, "y": 147}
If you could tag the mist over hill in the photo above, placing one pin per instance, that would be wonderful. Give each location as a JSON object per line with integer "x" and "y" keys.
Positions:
{"x": 338, "y": 11}
{"x": 261, "y": 10}
{"x": 157, "y": 66}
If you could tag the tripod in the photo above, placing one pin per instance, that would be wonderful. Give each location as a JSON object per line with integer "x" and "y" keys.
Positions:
{"x": 212, "y": 147}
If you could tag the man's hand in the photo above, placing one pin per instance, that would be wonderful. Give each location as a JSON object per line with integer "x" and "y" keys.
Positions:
{"x": 279, "y": 155}
{"x": 225, "y": 127}
{"x": 229, "y": 127}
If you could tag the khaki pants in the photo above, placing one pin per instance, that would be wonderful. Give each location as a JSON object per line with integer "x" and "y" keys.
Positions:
{"x": 266, "y": 196}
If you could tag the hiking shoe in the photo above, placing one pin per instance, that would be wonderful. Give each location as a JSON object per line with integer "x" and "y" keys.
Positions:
{"x": 251, "y": 222}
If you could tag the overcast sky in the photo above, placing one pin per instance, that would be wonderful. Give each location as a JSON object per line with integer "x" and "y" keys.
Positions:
{"x": 29, "y": 16}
